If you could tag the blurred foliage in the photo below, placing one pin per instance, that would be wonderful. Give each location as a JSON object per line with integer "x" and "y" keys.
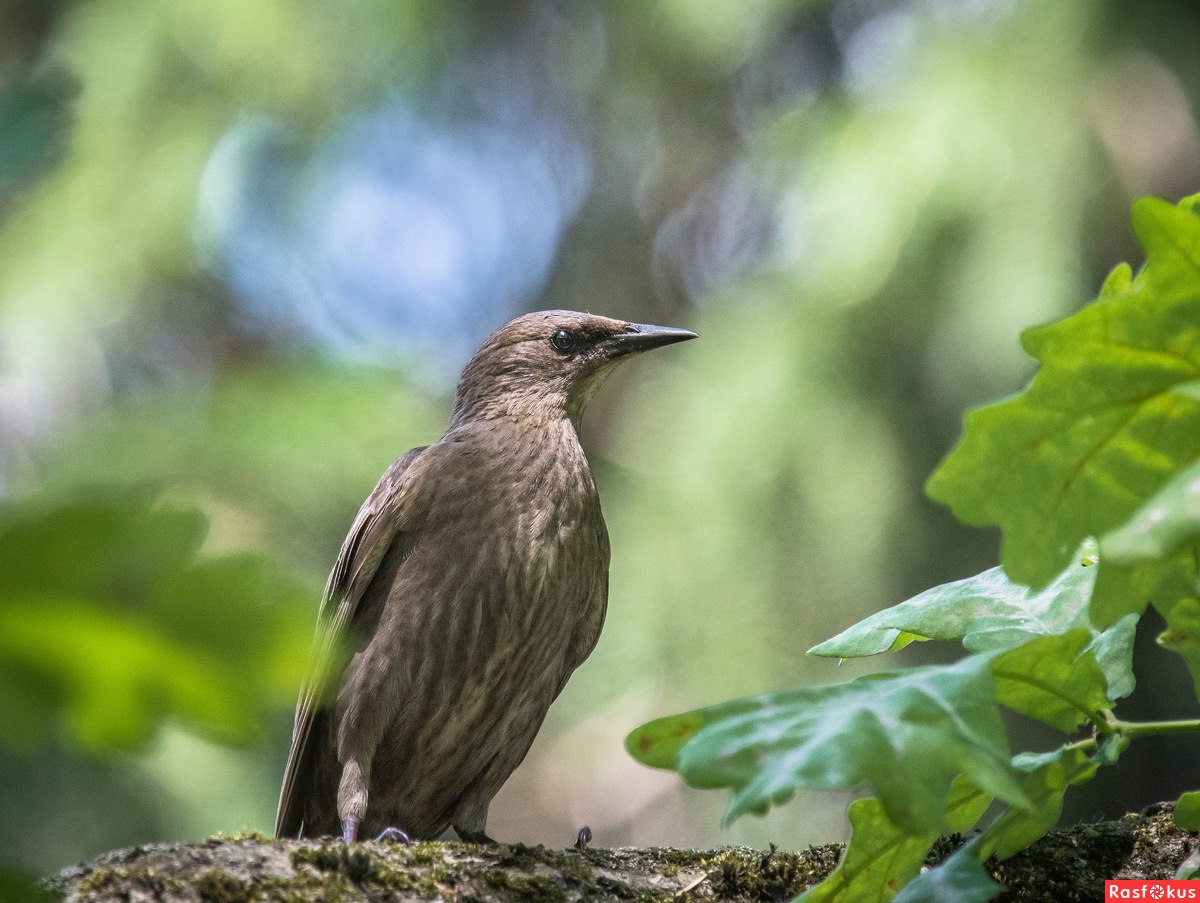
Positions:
{"x": 107, "y": 617}
{"x": 22, "y": 887}
{"x": 909, "y": 736}
{"x": 234, "y": 445}
{"x": 888, "y": 857}
{"x": 1187, "y": 811}
{"x": 34, "y": 121}
{"x": 112, "y": 622}
{"x": 962, "y": 878}
{"x": 835, "y": 193}
{"x": 1050, "y": 774}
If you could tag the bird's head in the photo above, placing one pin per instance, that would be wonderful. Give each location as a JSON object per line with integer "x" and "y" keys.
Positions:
{"x": 550, "y": 363}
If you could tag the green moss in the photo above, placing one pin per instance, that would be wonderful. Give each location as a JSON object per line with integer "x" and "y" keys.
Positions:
{"x": 215, "y": 886}
{"x": 326, "y": 888}
{"x": 670, "y": 862}
{"x": 354, "y": 861}
{"x": 428, "y": 884}
{"x": 106, "y": 882}
{"x": 680, "y": 858}
{"x": 419, "y": 870}
{"x": 577, "y": 870}
{"x": 770, "y": 876}
{"x": 426, "y": 853}
{"x": 239, "y": 837}
{"x": 519, "y": 886}
{"x": 519, "y": 856}
{"x": 99, "y": 880}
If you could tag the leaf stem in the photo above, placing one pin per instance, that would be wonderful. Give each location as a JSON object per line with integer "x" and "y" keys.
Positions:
{"x": 1133, "y": 729}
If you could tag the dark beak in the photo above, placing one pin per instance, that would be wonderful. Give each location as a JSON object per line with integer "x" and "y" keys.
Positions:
{"x": 640, "y": 337}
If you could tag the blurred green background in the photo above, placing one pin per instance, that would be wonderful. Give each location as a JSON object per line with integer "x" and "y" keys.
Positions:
{"x": 245, "y": 246}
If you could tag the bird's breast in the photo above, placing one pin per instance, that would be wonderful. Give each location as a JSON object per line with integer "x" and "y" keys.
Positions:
{"x": 522, "y": 543}
{"x": 557, "y": 545}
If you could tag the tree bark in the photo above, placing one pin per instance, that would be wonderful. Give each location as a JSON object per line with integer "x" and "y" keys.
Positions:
{"x": 1066, "y": 865}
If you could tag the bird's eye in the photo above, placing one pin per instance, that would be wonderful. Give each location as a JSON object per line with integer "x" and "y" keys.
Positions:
{"x": 563, "y": 342}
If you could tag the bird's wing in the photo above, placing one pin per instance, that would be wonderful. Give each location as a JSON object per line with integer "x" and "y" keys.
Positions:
{"x": 374, "y": 531}
{"x": 587, "y": 630}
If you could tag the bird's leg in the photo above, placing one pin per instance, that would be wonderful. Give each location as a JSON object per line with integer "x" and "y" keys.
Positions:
{"x": 395, "y": 835}
{"x": 479, "y": 837}
{"x": 470, "y": 822}
{"x": 583, "y": 838}
{"x": 352, "y": 799}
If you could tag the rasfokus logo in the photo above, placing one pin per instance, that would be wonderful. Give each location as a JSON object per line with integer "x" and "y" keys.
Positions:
{"x": 1165, "y": 889}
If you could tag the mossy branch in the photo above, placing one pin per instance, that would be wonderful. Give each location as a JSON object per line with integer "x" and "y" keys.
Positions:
{"x": 1065, "y": 865}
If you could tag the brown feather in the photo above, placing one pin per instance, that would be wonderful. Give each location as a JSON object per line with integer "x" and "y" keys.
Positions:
{"x": 371, "y": 533}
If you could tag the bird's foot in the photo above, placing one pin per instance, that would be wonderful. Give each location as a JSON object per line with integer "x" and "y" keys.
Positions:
{"x": 583, "y": 838}
{"x": 474, "y": 837}
{"x": 395, "y": 835}
{"x": 349, "y": 829}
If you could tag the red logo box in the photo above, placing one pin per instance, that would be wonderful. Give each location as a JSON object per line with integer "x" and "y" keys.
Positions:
{"x": 1164, "y": 889}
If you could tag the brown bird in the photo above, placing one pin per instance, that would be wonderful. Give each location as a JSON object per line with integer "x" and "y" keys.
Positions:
{"x": 473, "y": 582}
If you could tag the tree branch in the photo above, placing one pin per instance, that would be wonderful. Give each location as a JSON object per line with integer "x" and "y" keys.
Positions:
{"x": 1070, "y": 864}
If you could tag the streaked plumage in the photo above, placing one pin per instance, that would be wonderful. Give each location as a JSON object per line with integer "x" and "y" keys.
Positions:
{"x": 473, "y": 582}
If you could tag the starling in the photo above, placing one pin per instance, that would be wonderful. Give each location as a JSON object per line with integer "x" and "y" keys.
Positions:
{"x": 473, "y": 582}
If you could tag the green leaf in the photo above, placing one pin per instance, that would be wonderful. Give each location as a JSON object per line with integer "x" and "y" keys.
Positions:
{"x": 1164, "y": 525}
{"x": 989, "y": 611}
{"x": 1054, "y": 679}
{"x": 1187, "y": 816}
{"x": 1050, "y": 774}
{"x": 903, "y": 734}
{"x": 1113, "y": 650}
{"x": 961, "y": 878}
{"x": 658, "y": 743}
{"x": 882, "y": 857}
{"x": 878, "y": 859}
{"x": 1109, "y": 418}
{"x": 1183, "y": 634}
{"x": 1123, "y": 589}
{"x": 1152, "y": 556}
{"x": 1187, "y": 811}
{"x": 1189, "y": 869}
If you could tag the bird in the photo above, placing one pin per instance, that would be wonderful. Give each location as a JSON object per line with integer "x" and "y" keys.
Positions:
{"x": 472, "y": 583}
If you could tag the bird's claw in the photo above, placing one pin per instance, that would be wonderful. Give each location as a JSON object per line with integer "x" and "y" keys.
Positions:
{"x": 478, "y": 837}
{"x": 394, "y": 835}
{"x": 583, "y": 838}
